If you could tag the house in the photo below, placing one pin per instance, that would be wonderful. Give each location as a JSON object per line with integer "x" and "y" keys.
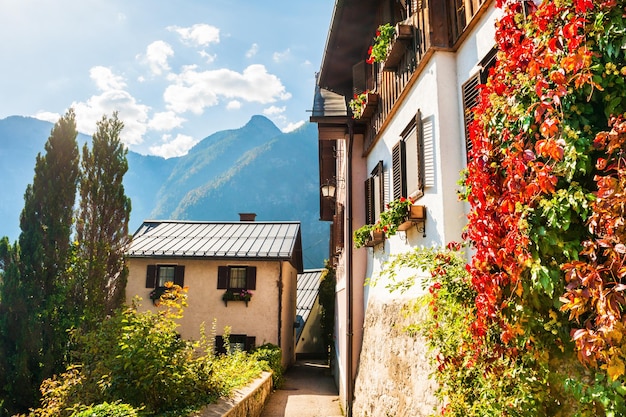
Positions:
{"x": 239, "y": 274}
{"x": 404, "y": 135}
{"x": 309, "y": 341}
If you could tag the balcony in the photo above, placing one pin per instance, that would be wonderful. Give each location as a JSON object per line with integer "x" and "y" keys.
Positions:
{"x": 435, "y": 25}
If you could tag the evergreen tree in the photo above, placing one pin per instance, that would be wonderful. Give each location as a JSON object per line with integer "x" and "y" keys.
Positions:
{"x": 34, "y": 335}
{"x": 102, "y": 227}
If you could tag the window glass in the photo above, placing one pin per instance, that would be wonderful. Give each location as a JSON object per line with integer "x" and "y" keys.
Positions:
{"x": 166, "y": 274}
{"x": 237, "y": 277}
{"x": 412, "y": 161}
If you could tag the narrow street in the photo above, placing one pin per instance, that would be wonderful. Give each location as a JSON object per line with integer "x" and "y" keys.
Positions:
{"x": 309, "y": 391}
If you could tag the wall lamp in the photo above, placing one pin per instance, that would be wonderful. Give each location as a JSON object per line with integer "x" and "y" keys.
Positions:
{"x": 329, "y": 188}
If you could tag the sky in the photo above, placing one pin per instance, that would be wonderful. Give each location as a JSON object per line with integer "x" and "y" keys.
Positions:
{"x": 175, "y": 71}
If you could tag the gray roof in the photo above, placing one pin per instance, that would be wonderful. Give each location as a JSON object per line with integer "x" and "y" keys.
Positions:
{"x": 226, "y": 240}
{"x": 308, "y": 288}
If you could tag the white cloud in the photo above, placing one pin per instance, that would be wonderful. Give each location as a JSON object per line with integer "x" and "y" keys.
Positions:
{"x": 274, "y": 110}
{"x": 193, "y": 91}
{"x": 177, "y": 147}
{"x": 252, "y": 51}
{"x": 293, "y": 126}
{"x": 165, "y": 121}
{"x": 47, "y": 116}
{"x": 157, "y": 55}
{"x": 209, "y": 58}
{"x": 105, "y": 79}
{"x": 281, "y": 56}
{"x": 198, "y": 35}
{"x": 233, "y": 105}
{"x": 113, "y": 98}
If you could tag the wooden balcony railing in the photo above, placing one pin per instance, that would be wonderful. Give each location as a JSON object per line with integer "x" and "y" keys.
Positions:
{"x": 435, "y": 25}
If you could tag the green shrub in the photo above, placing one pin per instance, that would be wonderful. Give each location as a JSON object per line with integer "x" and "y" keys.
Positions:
{"x": 271, "y": 355}
{"x": 116, "y": 409}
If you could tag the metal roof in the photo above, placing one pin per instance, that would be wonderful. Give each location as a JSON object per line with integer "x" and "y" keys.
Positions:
{"x": 308, "y": 287}
{"x": 229, "y": 240}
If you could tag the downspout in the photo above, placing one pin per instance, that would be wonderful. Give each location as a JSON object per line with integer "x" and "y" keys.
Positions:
{"x": 349, "y": 287}
{"x": 279, "y": 284}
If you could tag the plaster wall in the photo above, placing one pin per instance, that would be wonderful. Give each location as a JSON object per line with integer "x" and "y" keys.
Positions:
{"x": 260, "y": 318}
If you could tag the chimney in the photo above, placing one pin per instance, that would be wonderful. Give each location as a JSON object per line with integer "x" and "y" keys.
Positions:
{"x": 247, "y": 217}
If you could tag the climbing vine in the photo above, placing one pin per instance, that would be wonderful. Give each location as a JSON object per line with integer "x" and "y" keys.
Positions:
{"x": 545, "y": 183}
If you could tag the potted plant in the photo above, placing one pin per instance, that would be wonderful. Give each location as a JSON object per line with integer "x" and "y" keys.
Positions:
{"x": 236, "y": 295}
{"x": 363, "y": 104}
{"x": 380, "y": 48}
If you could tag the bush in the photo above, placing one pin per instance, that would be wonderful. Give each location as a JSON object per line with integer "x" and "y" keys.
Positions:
{"x": 116, "y": 409}
{"x": 271, "y": 355}
{"x": 138, "y": 360}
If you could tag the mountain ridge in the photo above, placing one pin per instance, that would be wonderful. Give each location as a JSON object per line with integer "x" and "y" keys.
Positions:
{"x": 255, "y": 168}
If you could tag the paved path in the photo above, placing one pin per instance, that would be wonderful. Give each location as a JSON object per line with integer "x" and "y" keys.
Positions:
{"x": 309, "y": 391}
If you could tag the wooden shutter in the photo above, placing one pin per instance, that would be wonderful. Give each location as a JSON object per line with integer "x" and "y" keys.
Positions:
{"x": 151, "y": 276}
{"x": 251, "y": 278}
{"x": 398, "y": 157}
{"x": 469, "y": 89}
{"x": 250, "y": 343}
{"x": 222, "y": 277}
{"x": 370, "y": 211}
{"x": 219, "y": 345}
{"x": 419, "y": 132}
{"x": 362, "y": 77}
{"x": 179, "y": 275}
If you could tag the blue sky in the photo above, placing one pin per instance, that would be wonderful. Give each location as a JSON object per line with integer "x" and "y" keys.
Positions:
{"x": 176, "y": 71}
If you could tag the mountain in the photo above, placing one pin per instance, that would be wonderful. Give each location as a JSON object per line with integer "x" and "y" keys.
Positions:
{"x": 255, "y": 168}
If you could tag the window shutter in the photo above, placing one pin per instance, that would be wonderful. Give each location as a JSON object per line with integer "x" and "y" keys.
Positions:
{"x": 419, "y": 132}
{"x": 370, "y": 212}
{"x": 219, "y": 345}
{"x": 179, "y": 275}
{"x": 222, "y": 277}
{"x": 398, "y": 157}
{"x": 251, "y": 278}
{"x": 151, "y": 276}
{"x": 250, "y": 343}
{"x": 469, "y": 90}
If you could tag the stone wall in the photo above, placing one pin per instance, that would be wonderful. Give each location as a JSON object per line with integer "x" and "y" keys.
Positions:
{"x": 245, "y": 402}
{"x": 393, "y": 373}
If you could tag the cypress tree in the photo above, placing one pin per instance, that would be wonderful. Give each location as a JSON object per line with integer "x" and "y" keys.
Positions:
{"x": 102, "y": 227}
{"x": 34, "y": 334}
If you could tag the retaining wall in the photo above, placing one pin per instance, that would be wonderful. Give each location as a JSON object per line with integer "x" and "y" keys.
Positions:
{"x": 246, "y": 402}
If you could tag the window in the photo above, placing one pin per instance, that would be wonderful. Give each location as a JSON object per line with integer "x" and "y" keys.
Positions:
{"x": 236, "y": 342}
{"x": 469, "y": 91}
{"x": 408, "y": 161}
{"x": 375, "y": 194}
{"x": 236, "y": 278}
{"x": 158, "y": 275}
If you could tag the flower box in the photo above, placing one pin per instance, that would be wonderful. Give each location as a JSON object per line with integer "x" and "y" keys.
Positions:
{"x": 398, "y": 46}
{"x": 376, "y": 238}
{"x": 237, "y": 295}
{"x": 416, "y": 214}
{"x": 369, "y": 107}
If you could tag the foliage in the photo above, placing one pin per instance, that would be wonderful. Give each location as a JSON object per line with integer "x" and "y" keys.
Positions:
{"x": 105, "y": 409}
{"x": 35, "y": 296}
{"x": 272, "y": 356}
{"x": 395, "y": 214}
{"x": 476, "y": 381}
{"x": 545, "y": 225}
{"x": 382, "y": 40}
{"x": 358, "y": 103}
{"x": 140, "y": 360}
{"x": 102, "y": 226}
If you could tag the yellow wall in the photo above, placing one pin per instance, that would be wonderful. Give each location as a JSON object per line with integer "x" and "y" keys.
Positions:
{"x": 205, "y": 305}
